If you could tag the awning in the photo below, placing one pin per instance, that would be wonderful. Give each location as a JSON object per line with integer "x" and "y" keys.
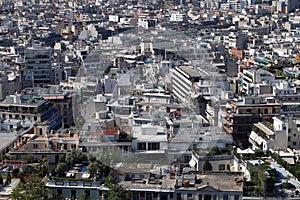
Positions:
{"x": 192, "y": 163}
{"x": 246, "y": 151}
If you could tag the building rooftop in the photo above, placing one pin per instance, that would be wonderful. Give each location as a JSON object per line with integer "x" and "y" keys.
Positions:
{"x": 191, "y": 71}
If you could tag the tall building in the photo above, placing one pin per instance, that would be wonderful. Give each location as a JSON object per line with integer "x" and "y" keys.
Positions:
{"x": 37, "y": 71}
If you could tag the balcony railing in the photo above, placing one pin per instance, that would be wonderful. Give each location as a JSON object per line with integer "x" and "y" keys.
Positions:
{"x": 73, "y": 183}
{"x": 228, "y": 122}
{"x": 227, "y": 129}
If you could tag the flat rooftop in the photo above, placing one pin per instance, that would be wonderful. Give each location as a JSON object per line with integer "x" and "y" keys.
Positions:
{"x": 7, "y": 138}
{"x": 219, "y": 181}
{"x": 191, "y": 71}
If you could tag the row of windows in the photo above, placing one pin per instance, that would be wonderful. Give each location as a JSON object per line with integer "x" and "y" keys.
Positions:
{"x": 20, "y": 117}
{"x": 108, "y": 149}
{"x": 142, "y": 146}
{"x": 190, "y": 196}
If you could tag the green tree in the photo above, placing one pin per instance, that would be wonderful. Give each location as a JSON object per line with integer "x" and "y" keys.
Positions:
{"x": 80, "y": 122}
{"x": 207, "y": 166}
{"x": 43, "y": 171}
{"x": 30, "y": 158}
{"x": 61, "y": 168}
{"x": 91, "y": 158}
{"x": 75, "y": 157}
{"x": 62, "y": 158}
{"x": 94, "y": 167}
{"x": 115, "y": 191}
{"x": 57, "y": 197}
{"x": 35, "y": 189}
{"x": 83, "y": 196}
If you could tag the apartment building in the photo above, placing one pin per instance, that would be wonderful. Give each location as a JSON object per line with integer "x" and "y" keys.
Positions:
{"x": 63, "y": 100}
{"x": 240, "y": 115}
{"x": 183, "y": 80}
{"x": 42, "y": 143}
{"x": 256, "y": 81}
{"x": 37, "y": 71}
{"x": 187, "y": 186}
{"x": 34, "y": 110}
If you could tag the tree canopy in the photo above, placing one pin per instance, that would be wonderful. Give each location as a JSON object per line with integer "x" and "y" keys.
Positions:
{"x": 115, "y": 191}
{"x": 207, "y": 166}
{"x": 35, "y": 189}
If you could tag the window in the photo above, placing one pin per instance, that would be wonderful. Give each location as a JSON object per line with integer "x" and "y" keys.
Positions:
{"x": 294, "y": 143}
{"x": 59, "y": 191}
{"x": 148, "y": 196}
{"x": 225, "y": 197}
{"x": 207, "y": 197}
{"x": 135, "y": 196}
{"x": 125, "y": 148}
{"x": 87, "y": 194}
{"x": 221, "y": 167}
{"x": 187, "y": 158}
{"x": 35, "y": 146}
{"x": 153, "y": 146}
{"x": 163, "y": 196}
{"x": 141, "y": 146}
{"x": 178, "y": 196}
{"x": 236, "y": 197}
{"x": 190, "y": 196}
{"x": 200, "y": 197}
{"x": 73, "y": 194}
{"x": 56, "y": 158}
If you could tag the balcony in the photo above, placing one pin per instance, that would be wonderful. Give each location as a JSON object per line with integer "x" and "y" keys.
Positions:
{"x": 263, "y": 130}
{"x": 228, "y": 113}
{"x": 228, "y": 130}
{"x": 74, "y": 183}
{"x": 227, "y": 122}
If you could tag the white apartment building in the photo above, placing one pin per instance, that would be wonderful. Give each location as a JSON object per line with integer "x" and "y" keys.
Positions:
{"x": 254, "y": 81}
{"x": 183, "y": 80}
{"x": 149, "y": 138}
{"x": 177, "y": 17}
{"x": 284, "y": 133}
